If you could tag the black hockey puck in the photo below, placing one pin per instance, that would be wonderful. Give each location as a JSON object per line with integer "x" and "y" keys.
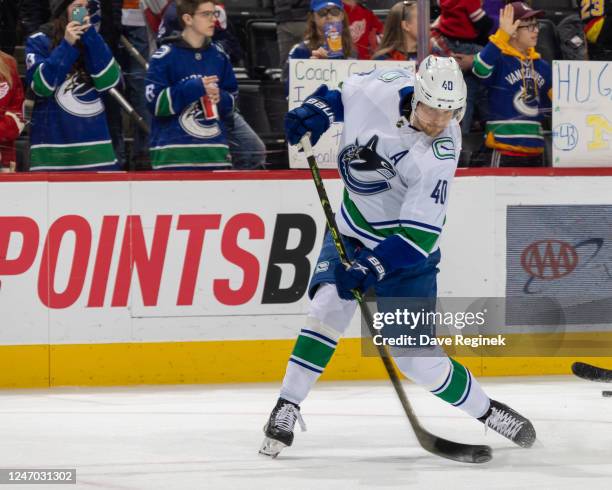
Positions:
{"x": 482, "y": 455}
{"x": 606, "y": 393}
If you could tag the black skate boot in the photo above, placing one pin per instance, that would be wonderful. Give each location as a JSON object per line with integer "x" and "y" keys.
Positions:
{"x": 510, "y": 424}
{"x": 279, "y": 429}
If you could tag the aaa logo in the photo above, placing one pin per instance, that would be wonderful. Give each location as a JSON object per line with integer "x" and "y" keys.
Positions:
{"x": 549, "y": 259}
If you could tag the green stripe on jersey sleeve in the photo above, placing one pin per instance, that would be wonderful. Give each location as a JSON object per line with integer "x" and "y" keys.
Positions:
{"x": 40, "y": 85}
{"x": 108, "y": 77}
{"x": 163, "y": 107}
{"x": 481, "y": 69}
{"x": 423, "y": 239}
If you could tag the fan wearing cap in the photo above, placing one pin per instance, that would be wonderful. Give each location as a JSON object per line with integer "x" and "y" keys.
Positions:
{"x": 519, "y": 83}
{"x": 315, "y": 44}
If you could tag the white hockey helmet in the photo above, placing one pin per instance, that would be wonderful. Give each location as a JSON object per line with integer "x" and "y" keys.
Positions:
{"x": 439, "y": 84}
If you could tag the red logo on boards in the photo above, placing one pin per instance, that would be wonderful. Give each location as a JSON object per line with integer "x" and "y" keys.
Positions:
{"x": 549, "y": 259}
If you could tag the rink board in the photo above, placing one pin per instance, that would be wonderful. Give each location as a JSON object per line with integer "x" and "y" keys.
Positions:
{"x": 201, "y": 277}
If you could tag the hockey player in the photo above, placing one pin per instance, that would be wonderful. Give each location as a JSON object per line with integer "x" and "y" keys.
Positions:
{"x": 186, "y": 78}
{"x": 398, "y": 155}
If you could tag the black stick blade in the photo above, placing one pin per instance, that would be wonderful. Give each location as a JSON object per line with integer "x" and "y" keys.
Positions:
{"x": 592, "y": 373}
{"x": 457, "y": 451}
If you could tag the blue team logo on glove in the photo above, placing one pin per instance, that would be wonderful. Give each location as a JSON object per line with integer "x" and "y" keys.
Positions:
{"x": 361, "y": 168}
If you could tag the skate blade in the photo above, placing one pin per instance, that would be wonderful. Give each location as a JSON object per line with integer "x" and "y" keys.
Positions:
{"x": 271, "y": 447}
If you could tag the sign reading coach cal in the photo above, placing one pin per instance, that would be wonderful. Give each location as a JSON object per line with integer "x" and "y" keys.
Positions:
{"x": 582, "y": 113}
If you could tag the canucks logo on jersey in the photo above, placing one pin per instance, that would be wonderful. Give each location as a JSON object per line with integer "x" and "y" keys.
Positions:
{"x": 361, "y": 168}
{"x": 193, "y": 122}
{"x": 78, "y": 97}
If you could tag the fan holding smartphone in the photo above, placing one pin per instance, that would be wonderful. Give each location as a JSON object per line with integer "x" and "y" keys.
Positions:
{"x": 69, "y": 66}
{"x": 78, "y": 17}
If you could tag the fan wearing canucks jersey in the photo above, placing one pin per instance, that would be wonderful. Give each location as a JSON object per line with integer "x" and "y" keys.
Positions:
{"x": 68, "y": 66}
{"x": 398, "y": 155}
{"x": 181, "y": 74}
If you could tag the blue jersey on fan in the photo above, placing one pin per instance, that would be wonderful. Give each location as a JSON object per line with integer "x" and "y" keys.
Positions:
{"x": 181, "y": 136}
{"x": 519, "y": 95}
{"x": 69, "y": 129}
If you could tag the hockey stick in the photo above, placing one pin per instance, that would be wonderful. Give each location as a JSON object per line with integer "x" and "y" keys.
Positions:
{"x": 592, "y": 373}
{"x": 466, "y": 453}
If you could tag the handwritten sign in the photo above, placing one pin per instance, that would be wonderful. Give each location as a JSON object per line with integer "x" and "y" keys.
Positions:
{"x": 582, "y": 113}
{"x": 305, "y": 76}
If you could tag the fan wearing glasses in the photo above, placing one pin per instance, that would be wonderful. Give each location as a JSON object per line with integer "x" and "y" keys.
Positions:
{"x": 519, "y": 83}
{"x": 188, "y": 79}
{"x": 315, "y": 45}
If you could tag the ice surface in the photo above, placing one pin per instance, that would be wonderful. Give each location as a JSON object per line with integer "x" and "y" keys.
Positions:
{"x": 207, "y": 437}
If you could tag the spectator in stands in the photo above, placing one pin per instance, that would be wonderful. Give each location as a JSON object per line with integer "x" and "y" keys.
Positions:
{"x": 133, "y": 27}
{"x": 519, "y": 83}
{"x": 247, "y": 151}
{"x": 400, "y": 39}
{"x": 461, "y": 31}
{"x": 597, "y": 20}
{"x": 314, "y": 44}
{"x": 11, "y": 111}
{"x": 291, "y": 18}
{"x": 462, "y": 27}
{"x": 224, "y": 36}
{"x": 187, "y": 79}
{"x": 153, "y": 12}
{"x": 68, "y": 66}
{"x": 366, "y": 29}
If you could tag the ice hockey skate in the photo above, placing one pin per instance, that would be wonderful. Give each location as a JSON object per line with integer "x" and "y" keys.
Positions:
{"x": 510, "y": 424}
{"x": 279, "y": 428}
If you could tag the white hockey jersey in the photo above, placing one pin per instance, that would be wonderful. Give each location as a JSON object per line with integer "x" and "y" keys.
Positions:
{"x": 397, "y": 179}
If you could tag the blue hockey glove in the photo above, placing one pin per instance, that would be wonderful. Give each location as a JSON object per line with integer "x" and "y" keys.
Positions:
{"x": 314, "y": 116}
{"x": 364, "y": 271}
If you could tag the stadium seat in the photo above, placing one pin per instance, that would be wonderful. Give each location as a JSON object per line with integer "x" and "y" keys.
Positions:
{"x": 381, "y": 14}
{"x": 251, "y": 104}
{"x": 263, "y": 105}
{"x": 471, "y": 150}
{"x": 242, "y": 5}
{"x": 276, "y": 105}
{"x": 556, "y": 10}
{"x": 262, "y": 47}
{"x": 553, "y": 4}
{"x": 380, "y": 4}
{"x": 548, "y": 42}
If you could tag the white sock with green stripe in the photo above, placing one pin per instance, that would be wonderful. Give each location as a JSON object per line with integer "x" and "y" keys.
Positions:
{"x": 328, "y": 318}
{"x": 313, "y": 349}
{"x": 448, "y": 380}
